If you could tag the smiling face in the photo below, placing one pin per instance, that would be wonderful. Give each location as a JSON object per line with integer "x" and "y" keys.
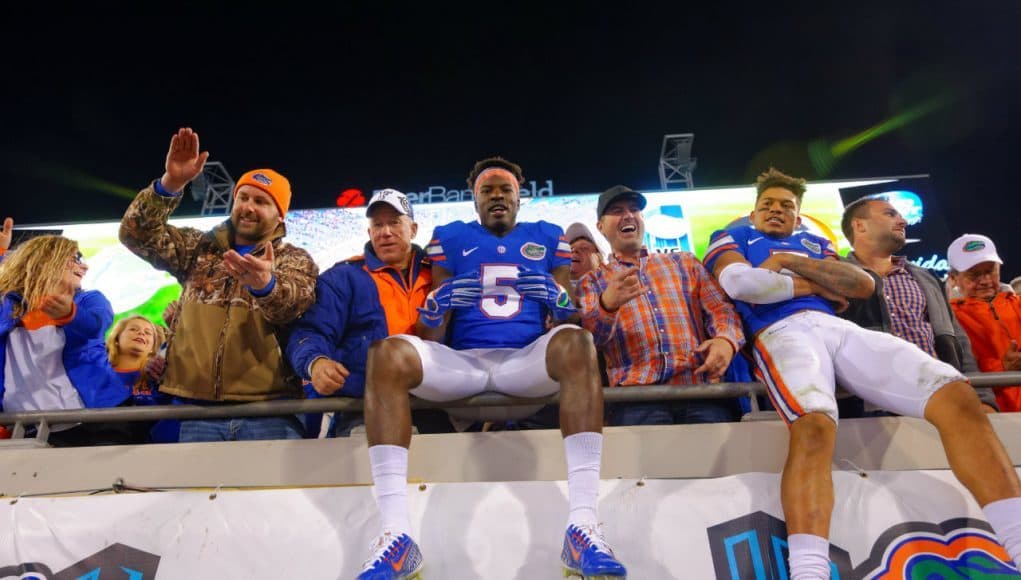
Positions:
{"x": 623, "y": 226}
{"x": 137, "y": 338}
{"x": 76, "y": 269}
{"x": 497, "y": 201}
{"x": 44, "y": 266}
{"x": 582, "y": 250}
{"x": 255, "y": 215}
{"x": 776, "y": 212}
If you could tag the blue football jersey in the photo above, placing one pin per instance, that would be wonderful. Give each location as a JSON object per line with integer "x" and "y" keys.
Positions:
{"x": 756, "y": 247}
{"x": 502, "y": 319}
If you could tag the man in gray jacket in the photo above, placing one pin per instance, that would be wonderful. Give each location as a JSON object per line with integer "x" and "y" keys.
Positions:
{"x": 908, "y": 302}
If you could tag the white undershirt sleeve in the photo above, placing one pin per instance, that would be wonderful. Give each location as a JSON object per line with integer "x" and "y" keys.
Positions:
{"x": 755, "y": 285}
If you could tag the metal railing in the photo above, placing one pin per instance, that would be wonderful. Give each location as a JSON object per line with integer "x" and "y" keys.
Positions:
{"x": 646, "y": 393}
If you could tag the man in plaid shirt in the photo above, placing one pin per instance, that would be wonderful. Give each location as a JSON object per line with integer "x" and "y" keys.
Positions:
{"x": 658, "y": 319}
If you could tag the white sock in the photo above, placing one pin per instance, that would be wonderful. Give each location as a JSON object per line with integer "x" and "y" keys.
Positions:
{"x": 390, "y": 476}
{"x": 809, "y": 557}
{"x": 1005, "y": 517}
{"x": 584, "y": 455}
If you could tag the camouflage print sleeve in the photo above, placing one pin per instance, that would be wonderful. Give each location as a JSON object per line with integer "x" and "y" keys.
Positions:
{"x": 145, "y": 232}
{"x": 295, "y": 288}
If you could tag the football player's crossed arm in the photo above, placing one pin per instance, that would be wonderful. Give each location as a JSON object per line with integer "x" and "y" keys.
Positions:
{"x": 764, "y": 284}
{"x": 837, "y": 277}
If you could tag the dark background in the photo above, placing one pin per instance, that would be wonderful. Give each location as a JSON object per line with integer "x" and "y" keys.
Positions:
{"x": 375, "y": 94}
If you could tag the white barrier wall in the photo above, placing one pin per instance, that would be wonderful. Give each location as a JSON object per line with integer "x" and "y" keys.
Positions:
{"x": 918, "y": 524}
{"x": 493, "y": 506}
{"x": 678, "y": 451}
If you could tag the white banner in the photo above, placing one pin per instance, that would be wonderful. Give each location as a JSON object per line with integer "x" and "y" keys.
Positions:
{"x": 919, "y": 524}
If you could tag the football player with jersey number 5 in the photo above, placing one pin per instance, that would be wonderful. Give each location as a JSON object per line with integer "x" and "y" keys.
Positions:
{"x": 495, "y": 283}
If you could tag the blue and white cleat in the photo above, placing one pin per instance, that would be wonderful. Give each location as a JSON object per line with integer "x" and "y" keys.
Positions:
{"x": 394, "y": 557}
{"x": 586, "y": 554}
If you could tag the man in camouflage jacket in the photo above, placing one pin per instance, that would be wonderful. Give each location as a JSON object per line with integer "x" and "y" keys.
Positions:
{"x": 242, "y": 286}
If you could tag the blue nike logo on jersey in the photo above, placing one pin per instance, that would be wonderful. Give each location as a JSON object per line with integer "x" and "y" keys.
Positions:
{"x": 466, "y": 252}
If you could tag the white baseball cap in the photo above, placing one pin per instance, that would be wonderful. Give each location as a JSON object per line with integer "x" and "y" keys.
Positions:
{"x": 970, "y": 250}
{"x": 394, "y": 199}
{"x": 578, "y": 230}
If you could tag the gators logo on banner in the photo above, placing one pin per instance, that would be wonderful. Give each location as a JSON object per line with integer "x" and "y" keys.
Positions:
{"x": 959, "y": 548}
{"x": 754, "y": 547}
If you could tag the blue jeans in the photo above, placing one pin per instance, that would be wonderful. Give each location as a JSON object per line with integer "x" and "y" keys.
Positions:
{"x": 673, "y": 412}
{"x": 241, "y": 429}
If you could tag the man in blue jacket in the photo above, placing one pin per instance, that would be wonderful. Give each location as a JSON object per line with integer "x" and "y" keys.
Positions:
{"x": 361, "y": 300}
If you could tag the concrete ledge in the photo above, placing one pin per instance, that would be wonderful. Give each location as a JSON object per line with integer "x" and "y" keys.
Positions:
{"x": 680, "y": 451}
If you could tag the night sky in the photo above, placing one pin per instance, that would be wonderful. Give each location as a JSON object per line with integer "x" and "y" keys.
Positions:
{"x": 376, "y": 94}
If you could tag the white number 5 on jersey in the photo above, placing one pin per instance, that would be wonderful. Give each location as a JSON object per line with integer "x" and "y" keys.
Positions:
{"x": 499, "y": 297}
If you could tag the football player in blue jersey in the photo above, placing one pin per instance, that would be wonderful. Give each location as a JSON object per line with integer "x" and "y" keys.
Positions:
{"x": 496, "y": 282}
{"x": 787, "y": 285}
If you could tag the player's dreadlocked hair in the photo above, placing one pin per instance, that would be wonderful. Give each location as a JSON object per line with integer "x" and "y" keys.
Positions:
{"x": 500, "y": 162}
{"x": 776, "y": 178}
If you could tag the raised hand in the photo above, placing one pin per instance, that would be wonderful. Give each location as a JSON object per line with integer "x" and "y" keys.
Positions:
{"x": 184, "y": 162}
{"x": 6, "y": 234}
{"x": 621, "y": 287}
{"x": 60, "y": 303}
{"x": 328, "y": 376}
{"x": 254, "y": 271}
{"x": 542, "y": 287}
{"x": 717, "y": 352}
{"x": 461, "y": 291}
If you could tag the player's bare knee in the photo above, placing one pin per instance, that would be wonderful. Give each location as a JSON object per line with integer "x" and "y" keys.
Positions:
{"x": 572, "y": 343}
{"x": 955, "y": 401}
{"x": 393, "y": 363}
{"x": 813, "y": 434}
{"x": 571, "y": 349}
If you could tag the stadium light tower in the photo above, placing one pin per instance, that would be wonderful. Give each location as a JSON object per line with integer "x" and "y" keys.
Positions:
{"x": 676, "y": 165}
{"x": 214, "y": 187}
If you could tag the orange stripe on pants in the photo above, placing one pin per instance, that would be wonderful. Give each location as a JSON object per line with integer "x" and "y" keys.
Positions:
{"x": 781, "y": 386}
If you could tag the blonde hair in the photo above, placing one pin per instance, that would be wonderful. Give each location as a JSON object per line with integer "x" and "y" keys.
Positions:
{"x": 36, "y": 269}
{"x": 113, "y": 350}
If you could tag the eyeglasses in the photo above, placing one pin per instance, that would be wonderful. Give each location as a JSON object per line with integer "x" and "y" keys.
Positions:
{"x": 980, "y": 275}
{"x": 79, "y": 259}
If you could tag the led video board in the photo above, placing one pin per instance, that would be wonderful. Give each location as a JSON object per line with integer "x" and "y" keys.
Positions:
{"x": 675, "y": 221}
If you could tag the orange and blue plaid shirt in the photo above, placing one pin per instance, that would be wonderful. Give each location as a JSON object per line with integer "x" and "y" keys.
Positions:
{"x": 652, "y": 338}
